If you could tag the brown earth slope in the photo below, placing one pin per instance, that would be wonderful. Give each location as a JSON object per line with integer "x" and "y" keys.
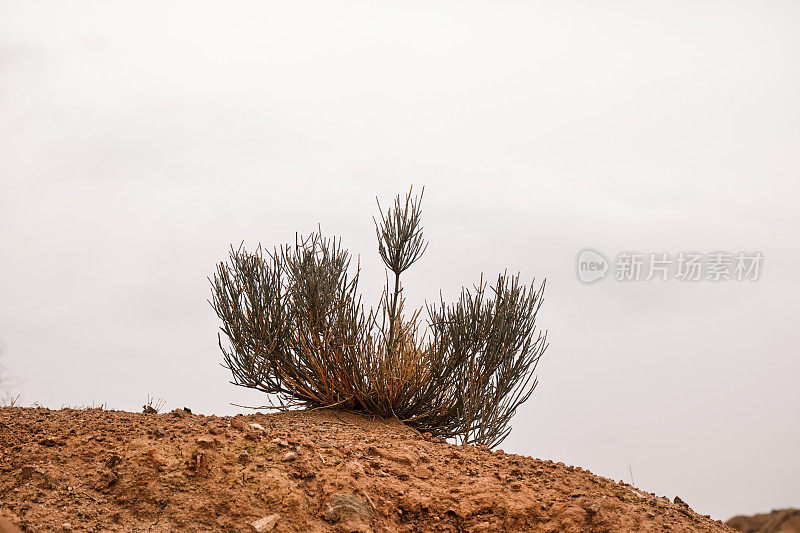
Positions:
{"x": 780, "y": 521}
{"x": 94, "y": 470}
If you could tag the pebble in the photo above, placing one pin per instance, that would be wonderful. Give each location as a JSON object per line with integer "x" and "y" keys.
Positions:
{"x": 422, "y": 472}
{"x": 205, "y": 441}
{"x": 680, "y": 502}
{"x": 267, "y": 523}
{"x": 290, "y": 456}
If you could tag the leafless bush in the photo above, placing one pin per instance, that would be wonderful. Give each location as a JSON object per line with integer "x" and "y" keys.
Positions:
{"x": 298, "y": 331}
{"x": 294, "y": 321}
{"x": 486, "y": 348}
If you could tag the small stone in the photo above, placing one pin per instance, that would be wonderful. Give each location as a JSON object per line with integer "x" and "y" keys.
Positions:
{"x": 290, "y": 456}
{"x": 66, "y": 526}
{"x": 422, "y": 472}
{"x": 205, "y": 441}
{"x": 280, "y": 442}
{"x": 256, "y": 427}
{"x": 244, "y": 457}
{"x": 267, "y": 523}
{"x": 153, "y": 457}
{"x": 680, "y": 502}
{"x": 113, "y": 460}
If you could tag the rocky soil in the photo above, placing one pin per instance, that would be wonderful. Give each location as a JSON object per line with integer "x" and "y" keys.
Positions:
{"x": 779, "y": 521}
{"x": 95, "y": 470}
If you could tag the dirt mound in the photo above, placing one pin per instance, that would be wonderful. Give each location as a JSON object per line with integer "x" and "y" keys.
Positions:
{"x": 780, "y": 521}
{"x": 93, "y": 470}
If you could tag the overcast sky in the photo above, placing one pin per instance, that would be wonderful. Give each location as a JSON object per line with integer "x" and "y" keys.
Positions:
{"x": 139, "y": 139}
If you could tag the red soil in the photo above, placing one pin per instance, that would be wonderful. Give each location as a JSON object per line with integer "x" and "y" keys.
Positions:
{"x": 778, "y": 521}
{"x": 94, "y": 470}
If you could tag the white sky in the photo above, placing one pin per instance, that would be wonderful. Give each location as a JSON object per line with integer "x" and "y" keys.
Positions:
{"x": 138, "y": 140}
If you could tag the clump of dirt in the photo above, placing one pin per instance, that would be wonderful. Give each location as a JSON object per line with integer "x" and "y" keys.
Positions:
{"x": 94, "y": 470}
{"x": 778, "y": 521}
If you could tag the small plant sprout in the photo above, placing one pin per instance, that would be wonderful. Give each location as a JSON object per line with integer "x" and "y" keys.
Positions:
{"x": 8, "y": 400}
{"x": 152, "y": 406}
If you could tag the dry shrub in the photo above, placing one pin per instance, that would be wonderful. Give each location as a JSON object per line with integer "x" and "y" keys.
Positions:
{"x": 293, "y": 320}
{"x": 298, "y": 331}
